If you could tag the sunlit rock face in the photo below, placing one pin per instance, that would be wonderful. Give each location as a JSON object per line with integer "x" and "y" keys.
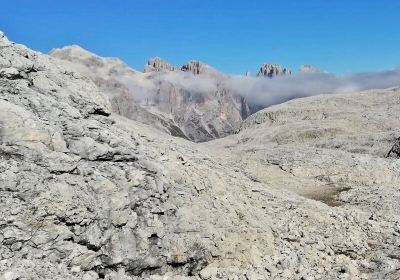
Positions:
{"x": 272, "y": 70}
{"x": 193, "y": 103}
{"x": 158, "y": 64}
{"x": 195, "y": 67}
{"x": 308, "y": 189}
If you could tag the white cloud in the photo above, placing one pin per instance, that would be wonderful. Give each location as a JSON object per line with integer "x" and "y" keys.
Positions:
{"x": 265, "y": 91}
{"x": 258, "y": 90}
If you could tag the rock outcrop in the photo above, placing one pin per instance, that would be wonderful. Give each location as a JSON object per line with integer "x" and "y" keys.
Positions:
{"x": 330, "y": 149}
{"x": 195, "y": 67}
{"x": 90, "y": 195}
{"x": 395, "y": 150}
{"x": 157, "y": 64}
{"x": 172, "y": 101}
{"x": 303, "y": 191}
{"x": 272, "y": 70}
{"x": 115, "y": 79}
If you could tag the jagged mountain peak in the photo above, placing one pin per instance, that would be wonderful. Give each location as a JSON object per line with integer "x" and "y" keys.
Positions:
{"x": 179, "y": 103}
{"x": 158, "y": 64}
{"x": 271, "y": 70}
{"x": 196, "y": 67}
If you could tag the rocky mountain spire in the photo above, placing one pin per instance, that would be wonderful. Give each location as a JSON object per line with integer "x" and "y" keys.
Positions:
{"x": 195, "y": 67}
{"x": 272, "y": 70}
{"x": 158, "y": 64}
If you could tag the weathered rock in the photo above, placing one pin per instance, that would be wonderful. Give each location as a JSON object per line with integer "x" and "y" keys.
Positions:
{"x": 115, "y": 79}
{"x": 157, "y": 64}
{"x": 304, "y": 190}
{"x": 195, "y": 107}
{"x": 195, "y": 67}
{"x": 86, "y": 195}
{"x": 329, "y": 149}
{"x": 272, "y": 70}
{"x": 395, "y": 150}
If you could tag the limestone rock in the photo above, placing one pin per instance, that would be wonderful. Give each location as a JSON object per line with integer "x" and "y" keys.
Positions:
{"x": 272, "y": 70}
{"x": 86, "y": 194}
{"x": 395, "y": 150}
{"x": 304, "y": 190}
{"x": 195, "y": 67}
{"x": 158, "y": 64}
{"x": 330, "y": 150}
{"x": 173, "y": 101}
{"x": 114, "y": 78}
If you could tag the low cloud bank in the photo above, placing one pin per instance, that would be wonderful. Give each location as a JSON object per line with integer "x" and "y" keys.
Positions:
{"x": 266, "y": 92}
{"x": 147, "y": 87}
{"x": 257, "y": 90}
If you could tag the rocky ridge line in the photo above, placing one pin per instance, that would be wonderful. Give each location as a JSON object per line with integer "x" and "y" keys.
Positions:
{"x": 272, "y": 70}
{"x": 158, "y": 64}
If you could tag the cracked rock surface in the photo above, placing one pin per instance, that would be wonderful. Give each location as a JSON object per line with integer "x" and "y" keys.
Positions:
{"x": 86, "y": 194}
{"x": 338, "y": 150}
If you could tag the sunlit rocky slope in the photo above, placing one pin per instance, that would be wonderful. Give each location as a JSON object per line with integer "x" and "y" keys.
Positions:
{"x": 191, "y": 101}
{"x": 308, "y": 189}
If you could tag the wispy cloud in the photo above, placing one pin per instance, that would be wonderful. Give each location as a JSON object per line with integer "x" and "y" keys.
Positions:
{"x": 257, "y": 90}
{"x": 265, "y": 92}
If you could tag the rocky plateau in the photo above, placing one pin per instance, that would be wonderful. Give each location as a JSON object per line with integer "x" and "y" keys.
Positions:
{"x": 307, "y": 189}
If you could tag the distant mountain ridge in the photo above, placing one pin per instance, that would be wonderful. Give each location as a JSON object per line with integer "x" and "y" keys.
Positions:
{"x": 192, "y": 101}
{"x": 307, "y": 189}
{"x": 272, "y": 70}
{"x": 189, "y": 101}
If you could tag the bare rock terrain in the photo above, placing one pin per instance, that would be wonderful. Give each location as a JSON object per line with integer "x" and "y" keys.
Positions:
{"x": 304, "y": 190}
{"x": 196, "y": 67}
{"x": 118, "y": 81}
{"x": 272, "y": 70}
{"x": 339, "y": 150}
{"x": 157, "y": 64}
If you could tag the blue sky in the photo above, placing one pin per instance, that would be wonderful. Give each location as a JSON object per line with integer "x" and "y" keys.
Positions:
{"x": 233, "y": 36}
